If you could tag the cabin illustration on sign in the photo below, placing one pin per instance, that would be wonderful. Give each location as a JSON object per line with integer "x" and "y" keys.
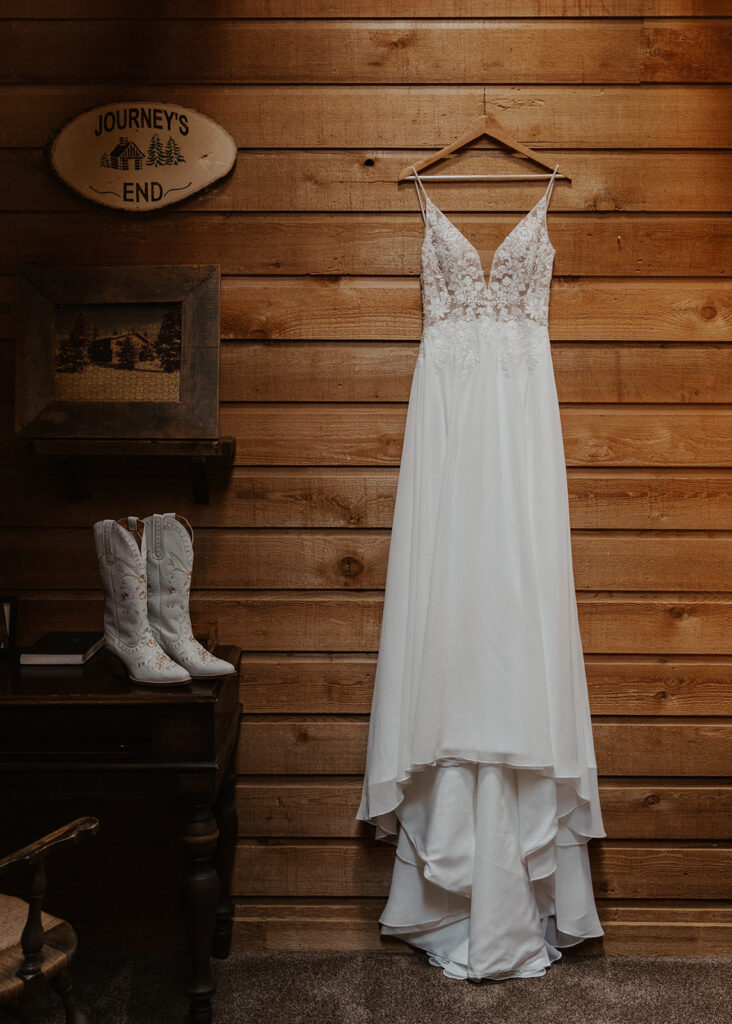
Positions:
{"x": 126, "y": 153}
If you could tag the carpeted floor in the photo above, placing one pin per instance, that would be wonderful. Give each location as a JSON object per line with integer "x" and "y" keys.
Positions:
{"x": 387, "y": 988}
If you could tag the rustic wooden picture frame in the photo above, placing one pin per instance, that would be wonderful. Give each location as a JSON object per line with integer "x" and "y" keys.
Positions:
{"x": 43, "y": 292}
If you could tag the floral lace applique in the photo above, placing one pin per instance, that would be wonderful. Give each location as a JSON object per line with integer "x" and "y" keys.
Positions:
{"x": 462, "y": 314}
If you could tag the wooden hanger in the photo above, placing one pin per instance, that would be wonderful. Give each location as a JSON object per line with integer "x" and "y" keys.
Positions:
{"x": 485, "y": 125}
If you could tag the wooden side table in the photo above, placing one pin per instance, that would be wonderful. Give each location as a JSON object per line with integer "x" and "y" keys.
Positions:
{"x": 60, "y": 725}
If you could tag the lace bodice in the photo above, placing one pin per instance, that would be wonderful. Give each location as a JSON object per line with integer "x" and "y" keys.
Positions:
{"x": 462, "y": 311}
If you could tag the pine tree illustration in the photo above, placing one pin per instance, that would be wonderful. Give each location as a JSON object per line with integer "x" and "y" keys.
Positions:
{"x": 72, "y": 354}
{"x": 155, "y": 152}
{"x": 173, "y": 155}
{"x": 147, "y": 352}
{"x": 167, "y": 344}
{"x": 104, "y": 162}
{"x": 127, "y": 354}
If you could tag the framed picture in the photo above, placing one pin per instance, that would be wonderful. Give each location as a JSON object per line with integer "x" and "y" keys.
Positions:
{"x": 8, "y": 624}
{"x": 117, "y": 352}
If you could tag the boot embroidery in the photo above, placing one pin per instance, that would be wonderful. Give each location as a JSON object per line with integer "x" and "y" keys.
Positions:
{"x": 123, "y": 568}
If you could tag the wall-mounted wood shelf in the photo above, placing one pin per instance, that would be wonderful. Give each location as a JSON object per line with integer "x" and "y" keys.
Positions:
{"x": 67, "y": 453}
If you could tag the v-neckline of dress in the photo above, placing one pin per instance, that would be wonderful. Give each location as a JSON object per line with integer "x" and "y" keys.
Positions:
{"x": 487, "y": 280}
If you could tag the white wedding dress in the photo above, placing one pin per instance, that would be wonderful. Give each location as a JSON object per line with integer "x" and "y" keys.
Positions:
{"x": 481, "y": 765}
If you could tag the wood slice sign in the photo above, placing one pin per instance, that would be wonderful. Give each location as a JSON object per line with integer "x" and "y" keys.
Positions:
{"x": 140, "y": 156}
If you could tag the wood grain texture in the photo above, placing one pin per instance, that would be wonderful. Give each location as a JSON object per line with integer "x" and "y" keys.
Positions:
{"x": 344, "y": 308}
{"x": 369, "y": 435}
{"x": 645, "y": 927}
{"x": 324, "y": 434}
{"x": 389, "y": 309}
{"x": 354, "y": 180}
{"x": 349, "y": 498}
{"x": 356, "y": 559}
{"x": 665, "y": 57}
{"x": 663, "y": 624}
{"x": 321, "y": 320}
{"x": 381, "y": 116}
{"x": 134, "y": 9}
{"x": 614, "y": 245}
{"x": 345, "y": 51}
{"x": 326, "y": 808}
{"x": 362, "y": 51}
{"x": 367, "y": 372}
{"x": 322, "y": 745}
{"x": 334, "y": 308}
{"x": 620, "y": 869}
{"x": 299, "y": 683}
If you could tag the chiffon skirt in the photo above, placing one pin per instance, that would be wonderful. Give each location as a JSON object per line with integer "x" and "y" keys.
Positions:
{"x": 480, "y": 764}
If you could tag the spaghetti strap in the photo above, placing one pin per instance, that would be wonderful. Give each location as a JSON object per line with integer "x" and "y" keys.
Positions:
{"x": 420, "y": 192}
{"x": 550, "y": 186}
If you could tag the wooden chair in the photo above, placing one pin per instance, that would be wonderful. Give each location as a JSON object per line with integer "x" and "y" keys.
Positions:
{"x": 34, "y": 946}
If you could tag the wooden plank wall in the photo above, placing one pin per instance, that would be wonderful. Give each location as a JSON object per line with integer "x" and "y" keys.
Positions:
{"x": 319, "y": 254}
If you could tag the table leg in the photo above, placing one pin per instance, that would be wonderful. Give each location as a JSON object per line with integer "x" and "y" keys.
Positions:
{"x": 228, "y": 821}
{"x": 200, "y": 894}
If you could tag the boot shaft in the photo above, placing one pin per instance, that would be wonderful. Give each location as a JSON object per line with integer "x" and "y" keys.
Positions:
{"x": 169, "y": 571}
{"x": 122, "y": 558}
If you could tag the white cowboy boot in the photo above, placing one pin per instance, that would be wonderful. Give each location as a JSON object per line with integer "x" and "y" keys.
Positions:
{"x": 169, "y": 568}
{"x": 122, "y": 563}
